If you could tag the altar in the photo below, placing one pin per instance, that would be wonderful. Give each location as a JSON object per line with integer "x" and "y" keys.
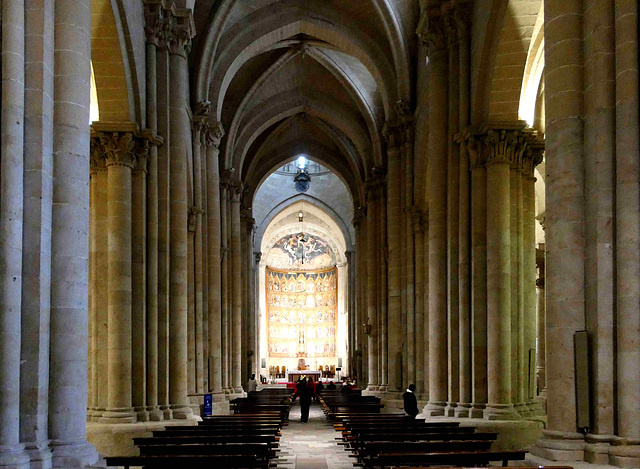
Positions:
{"x": 312, "y": 375}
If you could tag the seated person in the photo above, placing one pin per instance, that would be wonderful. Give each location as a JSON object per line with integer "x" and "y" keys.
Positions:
{"x": 345, "y": 389}
{"x": 331, "y": 386}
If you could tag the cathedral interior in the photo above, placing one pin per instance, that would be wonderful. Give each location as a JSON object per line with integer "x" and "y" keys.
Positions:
{"x": 437, "y": 192}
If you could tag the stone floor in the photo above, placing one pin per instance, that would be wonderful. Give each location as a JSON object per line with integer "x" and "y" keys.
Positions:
{"x": 311, "y": 445}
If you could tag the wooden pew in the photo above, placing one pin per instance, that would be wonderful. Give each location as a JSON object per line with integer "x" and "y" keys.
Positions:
{"x": 189, "y": 461}
{"x": 454, "y": 458}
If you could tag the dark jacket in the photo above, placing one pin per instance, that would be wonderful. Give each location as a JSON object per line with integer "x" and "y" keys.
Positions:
{"x": 304, "y": 392}
{"x": 410, "y": 403}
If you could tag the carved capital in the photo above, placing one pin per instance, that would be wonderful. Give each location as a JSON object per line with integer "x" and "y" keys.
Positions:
{"x": 192, "y": 219}
{"x": 227, "y": 178}
{"x": 213, "y": 134}
{"x": 236, "y": 189}
{"x": 432, "y": 30}
{"x": 462, "y": 15}
{"x": 418, "y": 226}
{"x": 541, "y": 219}
{"x": 118, "y": 148}
{"x": 532, "y": 157}
{"x": 97, "y": 158}
{"x": 181, "y": 30}
{"x": 154, "y": 18}
{"x": 399, "y": 131}
{"x": 141, "y": 150}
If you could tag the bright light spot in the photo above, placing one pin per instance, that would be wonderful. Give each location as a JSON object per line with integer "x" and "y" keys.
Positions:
{"x": 94, "y": 112}
{"x": 302, "y": 162}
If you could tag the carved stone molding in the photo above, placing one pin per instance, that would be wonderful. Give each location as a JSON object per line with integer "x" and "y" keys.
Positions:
{"x": 213, "y": 134}
{"x": 192, "y": 219}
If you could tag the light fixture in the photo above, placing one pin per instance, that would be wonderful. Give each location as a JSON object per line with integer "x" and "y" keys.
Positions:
{"x": 300, "y": 216}
{"x": 302, "y": 162}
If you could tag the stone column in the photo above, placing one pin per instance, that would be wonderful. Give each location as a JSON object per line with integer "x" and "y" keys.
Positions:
{"x": 502, "y": 147}
{"x": 120, "y": 159}
{"x": 515, "y": 267}
{"x": 11, "y": 220}
{"x": 565, "y": 212}
{"x": 462, "y": 15}
{"x": 69, "y": 237}
{"x": 215, "y": 133}
{"x": 453, "y": 216}
{"x": 236, "y": 268}
{"x": 224, "y": 222}
{"x": 179, "y": 46}
{"x": 383, "y": 289}
{"x": 477, "y": 160}
{"x": 541, "y": 355}
{"x": 627, "y": 224}
{"x": 531, "y": 160}
{"x": 36, "y": 236}
{"x": 164, "y": 199}
{"x": 434, "y": 36}
{"x": 419, "y": 285}
{"x": 371, "y": 287}
{"x": 153, "y": 30}
{"x": 199, "y": 154}
{"x": 393, "y": 225}
{"x": 425, "y": 300}
{"x": 138, "y": 280}
{"x": 525, "y": 316}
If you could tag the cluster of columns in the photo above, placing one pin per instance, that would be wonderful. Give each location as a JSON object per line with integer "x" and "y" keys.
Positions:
{"x": 593, "y": 228}
{"x": 44, "y": 200}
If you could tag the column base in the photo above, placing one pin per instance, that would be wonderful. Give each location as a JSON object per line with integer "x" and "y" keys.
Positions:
{"x": 155, "y": 414}
{"x": 500, "y": 412}
{"x": 97, "y": 414}
{"x": 625, "y": 453}
{"x": 373, "y": 388}
{"x": 560, "y": 446}
{"x": 535, "y": 407}
{"x": 542, "y": 398}
{"x": 238, "y": 390}
{"x": 477, "y": 410}
{"x": 73, "y": 454}
{"x": 39, "y": 455}
{"x": 118, "y": 415}
{"x": 383, "y": 388}
{"x": 142, "y": 415}
{"x": 522, "y": 409}
{"x": 463, "y": 410}
{"x": 434, "y": 409}
{"x": 450, "y": 409}
{"x": 597, "y": 448}
{"x": 167, "y": 413}
{"x": 14, "y": 457}
{"x": 181, "y": 411}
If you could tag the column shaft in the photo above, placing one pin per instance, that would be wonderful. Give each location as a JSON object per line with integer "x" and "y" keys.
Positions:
{"x": 529, "y": 281}
{"x": 478, "y": 287}
{"x": 11, "y": 221}
{"x": 513, "y": 277}
{"x": 199, "y": 153}
{"x": 178, "y": 213}
{"x": 138, "y": 284}
{"x": 69, "y": 239}
{"x": 224, "y": 216}
{"x": 419, "y": 305}
{"x": 101, "y": 293}
{"x": 236, "y": 317}
{"x": 372, "y": 313}
{"x": 453, "y": 230}
{"x": 407, "y": 149}
{"x": 627, "y": 217}
{"x": 119, "y": 403}
{"x": 383, "y": 288}
{"x": 437, "y": 232}
{"x": 214, "y": 286}
{"x": 464, "y": 233}
{"x": 394, "y": 341}
{"x": 36, "y": 265}
{"x": 498, "y": 292}
{"x": 152, "y": 239}
{"x": 523, "y": 289}
{"x": 164, "y": 199}
{"x": 565, "y": 204}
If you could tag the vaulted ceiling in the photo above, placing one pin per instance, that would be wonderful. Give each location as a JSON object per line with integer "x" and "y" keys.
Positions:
{"x": 319, "y": 77}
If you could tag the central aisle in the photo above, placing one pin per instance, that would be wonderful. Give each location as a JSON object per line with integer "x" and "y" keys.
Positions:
{"x": 311, "y": 445}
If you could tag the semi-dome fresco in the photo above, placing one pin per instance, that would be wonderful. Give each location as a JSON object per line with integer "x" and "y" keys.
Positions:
{"x": 301, "y": 251}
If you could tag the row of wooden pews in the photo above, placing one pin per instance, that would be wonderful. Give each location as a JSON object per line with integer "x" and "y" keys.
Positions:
{"x": 249, "y": 438}
{"x": 396, "y": 440}
{"x": 353, "y": 402}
